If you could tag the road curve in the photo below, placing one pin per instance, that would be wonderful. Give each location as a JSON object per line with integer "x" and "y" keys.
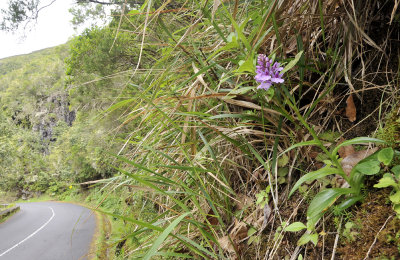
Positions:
{"x": 47, "y": 231}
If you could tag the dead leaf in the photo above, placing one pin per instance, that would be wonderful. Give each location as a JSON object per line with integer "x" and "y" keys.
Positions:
{"x": 243, "y": 201}
{"x": 226, "y": 245}
{"x": 313, "y": 154}
{"x": 267, "y": 215}
{"x": 351, "y": 160}
{"x": 346, "y": 150}
{"x": 238, "y": 232}
{"x": 351, "y": 111}
{"x": 212, "y": 219}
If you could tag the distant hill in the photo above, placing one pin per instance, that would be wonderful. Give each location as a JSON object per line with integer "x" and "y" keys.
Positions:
{"x": 16, "y": 62}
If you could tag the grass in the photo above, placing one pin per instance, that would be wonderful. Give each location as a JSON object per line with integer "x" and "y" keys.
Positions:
{"x": 203, "y": 142}
{"x": 4, "y": 218}
{"x": 205, "y": 137}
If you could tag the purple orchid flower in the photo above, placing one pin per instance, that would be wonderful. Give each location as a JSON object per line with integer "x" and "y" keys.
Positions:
{"x": 267, "y": 74}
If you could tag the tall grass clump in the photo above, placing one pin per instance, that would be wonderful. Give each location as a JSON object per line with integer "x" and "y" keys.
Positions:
{"x": 207, "y": 142}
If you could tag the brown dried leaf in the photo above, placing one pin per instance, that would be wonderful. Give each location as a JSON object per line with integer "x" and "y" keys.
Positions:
{"x": 212, "y": 219}
{"x": 345, "y": 151}
{"x": 226, "y": 244}
{"x": 313, "y": 154}
{"x": 243, "y": 201}
{"x": 238, "y": 232}
{"x": 351, "y": 111}
{"x": 267, "y": 215}
{"x": 351, "y": 160}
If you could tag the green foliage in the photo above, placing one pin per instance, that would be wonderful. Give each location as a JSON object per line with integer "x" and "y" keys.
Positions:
{"x": 263, "y": 197}
{"x": 42, "y": 143}
{"x": 390, "y": 179}
{"x": 350, "y": 231}
{"x": 168, "y": 91}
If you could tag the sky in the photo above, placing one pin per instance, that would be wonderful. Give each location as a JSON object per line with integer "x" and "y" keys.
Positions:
{"x": 53, "y": 28}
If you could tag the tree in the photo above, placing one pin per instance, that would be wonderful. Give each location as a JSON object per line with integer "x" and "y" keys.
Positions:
{"x": 22, "y": 12}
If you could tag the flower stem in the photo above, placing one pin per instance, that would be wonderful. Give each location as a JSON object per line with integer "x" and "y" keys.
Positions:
{"x": 315, "y": 136}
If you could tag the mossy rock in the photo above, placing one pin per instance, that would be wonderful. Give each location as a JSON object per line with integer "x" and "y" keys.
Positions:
{"x": 391, "y": 131}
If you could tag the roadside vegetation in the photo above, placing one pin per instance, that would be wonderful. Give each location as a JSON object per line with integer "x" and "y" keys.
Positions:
{"x": 218, "y": 129}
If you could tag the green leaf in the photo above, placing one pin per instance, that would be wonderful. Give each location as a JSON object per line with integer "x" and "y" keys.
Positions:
{"x": 323, "y": 200}
{"x": 246, "y": 66}
{"x": 396, "y": 171}
{"x": 385, "y": 182}
{"x": 371, "y": 167}
{"x": 282, "y": 172}
{"x": 304, "y": 239}
{"x": 357, "y": 140}
{"x": 184, "y": 168}
{"x": 314, "y": 238}
{"x": 356, "y": 179}
{"x": 312, "y": 142}
{"x": 251, "y": 231}
{"x": 172, "y": 255}
{"x": 386, "y": 155}
{"x": 313, "y": 176}
{"x": 395, "y": 198}
{"x": 295, "y": 226}
{"x": 283, "y": 161}
{"x": 348, "y": 202}
{"x": 397, "y": 208}
{"x": 153, "y": 250}
{"x": 241, "y": 91}
{"x": 292, "y": 63}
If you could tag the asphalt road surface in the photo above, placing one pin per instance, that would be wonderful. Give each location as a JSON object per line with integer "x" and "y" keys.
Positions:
{"x": 47, "y": 231}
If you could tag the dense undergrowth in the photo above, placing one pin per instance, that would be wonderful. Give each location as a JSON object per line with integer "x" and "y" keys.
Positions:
{"x": 195, "y": 161}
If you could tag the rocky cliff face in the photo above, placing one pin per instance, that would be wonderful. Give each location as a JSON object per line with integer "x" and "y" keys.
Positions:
{"x": 54, "y": 109}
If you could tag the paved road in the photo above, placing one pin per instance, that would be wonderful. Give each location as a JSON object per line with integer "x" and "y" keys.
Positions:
{"x": 47, "y": 231}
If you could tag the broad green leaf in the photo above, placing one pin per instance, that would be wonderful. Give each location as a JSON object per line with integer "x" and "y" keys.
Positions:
{"x": 295, "y": 226}
{"x": 356, "y": 179}
{"x": 386, "y": 155}
{"x": 251, "y": 231}
{"x": 371, "y": 167}
{"x": 134, "y": 11}
{"x": 395, "y": 198}
{"x": 304, "y": 239}
{"x": 323, "y": 200}
{"x": 238, "y": 29}
{"x": 397, "y": 208}
{"x": 357, "y": 140}
{"x": 153, "y": 250}
{"x": 282, "y": 172}
{"x": 246, "y": 66}
{"x": 385, "y": 182}
{"x": 313, "y": 176}
{"x": 283, "y": 161}
{"x": 314, "y": 238}
{"x": 348, "y": 202}
{"x": 396, "y": 171}
{"x": 292, "y": 63}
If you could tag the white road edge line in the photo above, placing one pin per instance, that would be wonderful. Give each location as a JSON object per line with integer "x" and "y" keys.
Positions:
{"x": 31, "y": 235}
